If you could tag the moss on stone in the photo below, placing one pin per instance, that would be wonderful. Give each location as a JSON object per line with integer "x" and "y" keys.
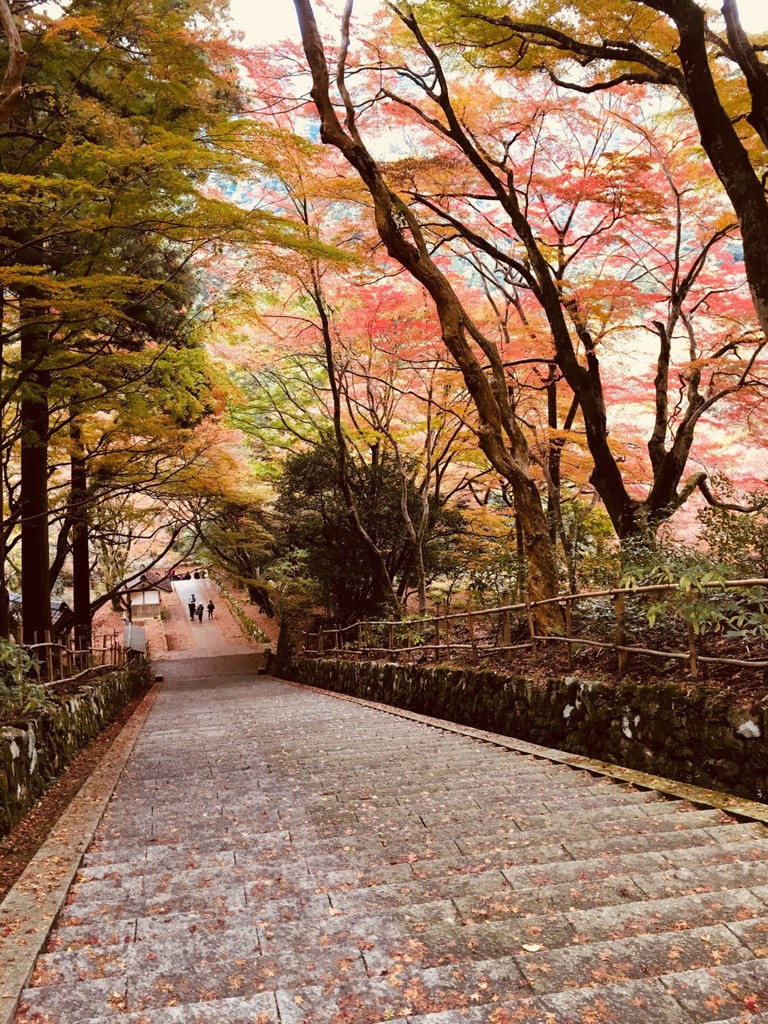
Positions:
{"x": 33, "y": 756}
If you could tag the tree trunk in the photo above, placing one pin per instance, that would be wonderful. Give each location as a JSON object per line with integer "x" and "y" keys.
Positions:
{"x": 499, "y": 434}
{"x": 81, "y": 562}
{"x": 5, "y": 622}
{"x": 11, "y": 87}
{"x": 34, "y": 415}
{"x": 722, "y": 144}
{"x": 543, "y": 582}
{"x": 554, "y": 451}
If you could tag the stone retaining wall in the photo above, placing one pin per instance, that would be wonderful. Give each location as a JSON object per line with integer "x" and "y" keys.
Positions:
{"x": 33, "y": 754}
{"x": 690, "y": 734}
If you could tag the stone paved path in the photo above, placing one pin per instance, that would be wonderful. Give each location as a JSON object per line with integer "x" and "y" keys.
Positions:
{"x": 275, "y": 854}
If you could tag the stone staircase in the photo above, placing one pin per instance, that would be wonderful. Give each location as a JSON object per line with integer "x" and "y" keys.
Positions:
{"x": 273, "y": 855}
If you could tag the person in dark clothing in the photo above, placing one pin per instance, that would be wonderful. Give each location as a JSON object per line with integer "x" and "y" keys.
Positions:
{"x": 200, "y": 611}
{"x": 211, "y": 607}
{"x": 192, "y": 608}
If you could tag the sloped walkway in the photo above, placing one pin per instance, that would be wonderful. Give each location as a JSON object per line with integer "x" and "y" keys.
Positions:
{"x": 276, "y": 854}
{"x": 218, "y": 636}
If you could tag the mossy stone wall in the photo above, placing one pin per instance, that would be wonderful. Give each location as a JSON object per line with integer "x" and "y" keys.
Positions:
{"x": 34, "y": 753}
{"x": 691, "y": 734}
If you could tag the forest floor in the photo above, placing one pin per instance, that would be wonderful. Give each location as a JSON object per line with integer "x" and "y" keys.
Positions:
{"x": 745, "y": 684}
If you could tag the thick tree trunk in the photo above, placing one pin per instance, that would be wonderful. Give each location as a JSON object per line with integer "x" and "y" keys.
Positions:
{"x": 81, "y": 562}
{"x": 5, "y": 622}
{"x": 554, "y": 453}
{"x": 722, "y": 144}
{"x": 499, "y": 434}
{"x": 543, "y": 582}
{"x": 11, "y": 86}
{"x": 34, "y": 416}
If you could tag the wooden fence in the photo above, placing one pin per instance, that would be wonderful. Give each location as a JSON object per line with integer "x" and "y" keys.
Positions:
{"x": 502, "y": 630}
{"x": 63, "y": 662}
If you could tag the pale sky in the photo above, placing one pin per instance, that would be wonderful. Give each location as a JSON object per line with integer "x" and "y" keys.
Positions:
{"x": 265, "y": 22}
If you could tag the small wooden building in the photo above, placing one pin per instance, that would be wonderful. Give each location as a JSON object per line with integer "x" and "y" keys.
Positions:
{"x": 145, "y": 593}
{"x": 62, "y": 617}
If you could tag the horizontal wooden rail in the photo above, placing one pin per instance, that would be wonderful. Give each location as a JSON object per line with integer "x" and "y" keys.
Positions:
{"x": 57, "y": 658}
{"x": 437, "y": 641}
{"x": 586, "y": 595}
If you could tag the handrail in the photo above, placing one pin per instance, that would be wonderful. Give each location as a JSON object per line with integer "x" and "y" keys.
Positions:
{"x": 561, "y": 599}
{"x": 441, "y": 641}
{"x": 56, "y": 657}
{"x": 583, "y": 595}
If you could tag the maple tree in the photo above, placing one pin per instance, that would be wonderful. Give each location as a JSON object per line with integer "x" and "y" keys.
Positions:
{"x": 572, "y": 216}
{"x": 334, "y": 344}
{"x": 498, "y": 430}
{"x": 709, "y": 62}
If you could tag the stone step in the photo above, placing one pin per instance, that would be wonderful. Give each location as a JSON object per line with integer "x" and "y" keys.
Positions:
{"x": 325, "y": 829}
{"x": 523, "y": 865}
{"x": 677, "y": 912}
{"x": 259, "y": 1009}
{"x": 647, "y": 956}
{"x": 722, "y": 992}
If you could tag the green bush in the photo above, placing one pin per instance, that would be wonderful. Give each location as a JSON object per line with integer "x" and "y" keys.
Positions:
{"x": 20, "y": 692}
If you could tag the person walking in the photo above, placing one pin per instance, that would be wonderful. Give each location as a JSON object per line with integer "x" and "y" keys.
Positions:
{"x": 192, "y": 608}
{"x": 200, "y": 611}
{"x": 211, "y": 607}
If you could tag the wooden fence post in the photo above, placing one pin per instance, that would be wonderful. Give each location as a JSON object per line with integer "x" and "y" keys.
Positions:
{"x": 391, "y": 636}
{"x": 446, "y": 633}
{"x": 471, "y": 628}
{"x": 531, "y": 622}
{"x": 437, "y": 636}
{"x": 692, "y": 653}
{"x": 319, "y": 639}
{"x": 621, "y": 636}
{"x": 48, "y": 655}
{"x": 568, "y": 633}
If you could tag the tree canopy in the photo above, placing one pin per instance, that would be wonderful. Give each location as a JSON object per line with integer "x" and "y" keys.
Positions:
{"x": 457, "y": 272}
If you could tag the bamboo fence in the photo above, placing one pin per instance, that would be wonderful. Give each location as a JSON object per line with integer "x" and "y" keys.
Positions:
{"x": 502, "y": 630}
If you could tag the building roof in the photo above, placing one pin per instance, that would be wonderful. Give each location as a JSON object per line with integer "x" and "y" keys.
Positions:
{"x": 155, "y": 579}
{"x": 60, "y": 610}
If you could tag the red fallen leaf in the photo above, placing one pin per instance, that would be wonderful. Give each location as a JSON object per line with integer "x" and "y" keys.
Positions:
{"x": 127, "y": 939}
{"x": 750, "y": 1003}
